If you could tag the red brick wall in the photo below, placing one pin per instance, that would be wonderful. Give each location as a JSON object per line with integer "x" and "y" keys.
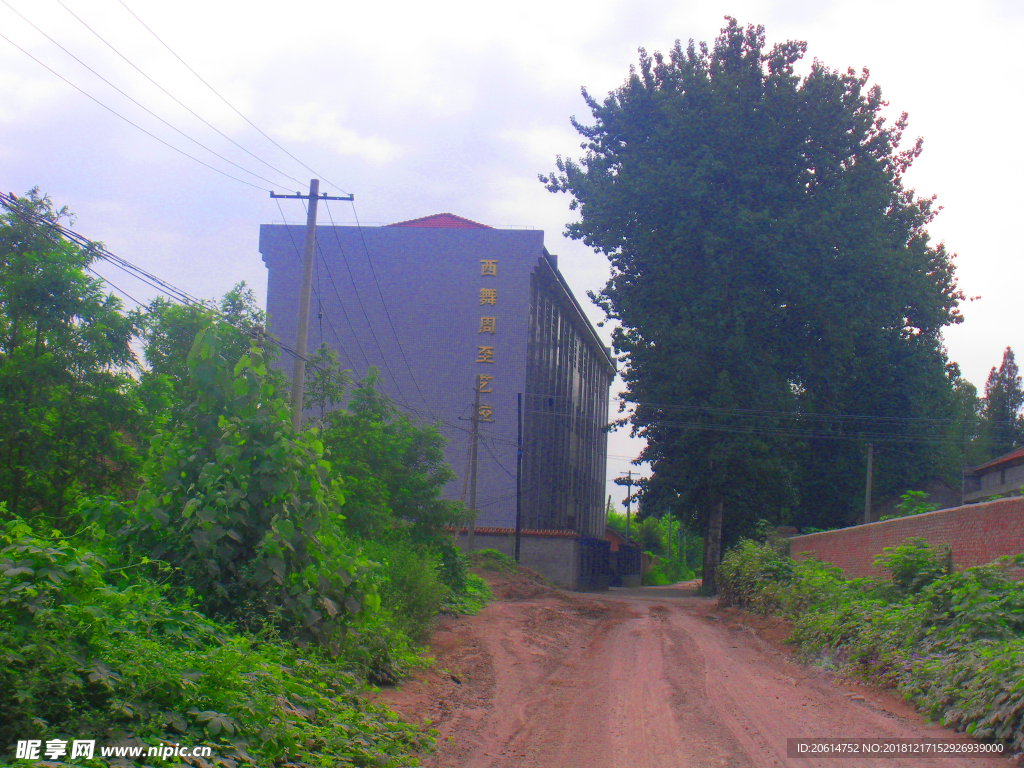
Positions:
{"x": 978, "y": 534}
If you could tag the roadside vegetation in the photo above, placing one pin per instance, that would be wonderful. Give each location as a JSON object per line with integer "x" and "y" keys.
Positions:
{"x": 950, "y": 642}
{"x": 177, "y": 564}
{"x": 676, "y": 554}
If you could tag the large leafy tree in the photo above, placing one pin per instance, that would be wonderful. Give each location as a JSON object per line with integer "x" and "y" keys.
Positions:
{"x": 1002, "y": 427}
{"x": 768, "y": 265}
{"x": 69, "y": 416}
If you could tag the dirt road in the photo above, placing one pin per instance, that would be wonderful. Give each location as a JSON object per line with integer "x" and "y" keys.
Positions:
{"x": 650, "y": 678}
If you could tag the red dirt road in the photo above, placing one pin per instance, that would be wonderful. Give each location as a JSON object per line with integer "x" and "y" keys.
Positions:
{"x": 649, "y": 678}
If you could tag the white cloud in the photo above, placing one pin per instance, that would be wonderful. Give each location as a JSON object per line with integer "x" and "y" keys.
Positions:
{"x": 312, "y": 124}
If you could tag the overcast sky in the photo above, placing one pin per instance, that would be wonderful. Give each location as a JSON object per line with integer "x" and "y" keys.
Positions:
{"x": 420, "y": 108}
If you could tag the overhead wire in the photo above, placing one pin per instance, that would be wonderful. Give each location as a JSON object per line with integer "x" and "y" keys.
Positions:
{"x": 366, "y": 315}
{"x": 298, "y": 256}
{"x": 134, "y": 101}
{"x": 222, "y": 98}
{"x": 341, "y": 304}
{"x": 387, "y": 314}
{"x": 176, "y": 294}
{"x": 173, "y": 97}
{"x": 802, "y": 415}
{"x": 130, "y": 122}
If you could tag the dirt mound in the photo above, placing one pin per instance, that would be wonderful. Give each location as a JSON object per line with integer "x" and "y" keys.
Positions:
{"x": 515, "y": 584}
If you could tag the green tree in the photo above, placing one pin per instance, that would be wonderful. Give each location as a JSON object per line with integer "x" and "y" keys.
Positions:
{"x": 767, "y": 264}
{"x": 247, "y": 511}
{"x": 1002, "y": 427}
{"x": 168, "y": 331}
{"x": 69, "y": 415}
{"x": 393, "y": 468}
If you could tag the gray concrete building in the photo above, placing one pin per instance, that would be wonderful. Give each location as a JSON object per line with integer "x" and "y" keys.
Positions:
{"x": 435, "y": 303}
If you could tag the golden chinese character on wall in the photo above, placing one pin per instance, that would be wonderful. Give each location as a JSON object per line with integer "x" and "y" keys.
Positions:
{"x": 488, "y": 325}
{"x": 488, "y": 267}
{"x": 485, "y": 354}
{"x": 488, "y": 296}
{"x": 485, "y": 413}
{"x": 483, "y": 383}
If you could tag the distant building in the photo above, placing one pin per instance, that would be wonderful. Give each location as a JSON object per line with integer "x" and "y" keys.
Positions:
{"x": 1002, "y": 476}
{"x": 436, "y": 302}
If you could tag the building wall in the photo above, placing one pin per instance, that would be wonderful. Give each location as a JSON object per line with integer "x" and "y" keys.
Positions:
{"x": 431, "y": 279}
{"x": 556, "y": 558}
{"x": 565, "y": 411}
{"x": 977, "y": 534}
{"x": 1000, "y": 481}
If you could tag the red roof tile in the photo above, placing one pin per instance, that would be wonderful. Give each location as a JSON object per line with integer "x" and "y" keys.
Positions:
{"x": 1006, "y": 458}
{"x": 562, "y": 534}
{"x": 442, "y": 221}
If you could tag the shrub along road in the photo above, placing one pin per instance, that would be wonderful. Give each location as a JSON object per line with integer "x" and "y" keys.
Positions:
{"x": 646, "y": 678}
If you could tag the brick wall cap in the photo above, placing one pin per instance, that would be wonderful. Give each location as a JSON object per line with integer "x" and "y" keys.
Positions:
{"x": 512, "y": 531}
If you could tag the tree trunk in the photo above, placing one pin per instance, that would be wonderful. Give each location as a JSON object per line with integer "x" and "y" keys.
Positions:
{"x": 712, "y": 547}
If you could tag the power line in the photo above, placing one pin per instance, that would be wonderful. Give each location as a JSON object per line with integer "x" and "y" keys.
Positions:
{"x": 135, "y": 101}
{"x": 219, "y": 96}
{"x": 496, "y": 459}
{"x": 329, "y": 323}
{"x": 380, "y": 293}
{"x": 759, "y": 412}
{"x": 161, "y": 286}
{"x": 366, "y": 316}
{"x": 134, "y": 125}
{"x": 173, "y": 97}
{"x": 341, "y": 304}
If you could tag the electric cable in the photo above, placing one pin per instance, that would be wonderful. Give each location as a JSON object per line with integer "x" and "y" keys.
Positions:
{"x": 219, "y": 96}
{"x": 175, "y": 98}
{"x": 298, "y": 256}
{"x": 366, "y": 316}
{"x": 134, "y": 125}
{"x": 384, "y": 304}
{"x": 341, "y": 304}
{"x": 135, "y": 101}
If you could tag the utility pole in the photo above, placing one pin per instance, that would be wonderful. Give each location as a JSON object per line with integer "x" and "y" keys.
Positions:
{"x": 302, "y": 333}
{"x": 519, "y": 469}
{"x": 629, "y": 498}
{"x": 867, "y": 489}
{"x": 474, "y": 438}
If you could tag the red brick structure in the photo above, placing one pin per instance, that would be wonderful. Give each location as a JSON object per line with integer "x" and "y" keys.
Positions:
{"x": 977, "y": 533}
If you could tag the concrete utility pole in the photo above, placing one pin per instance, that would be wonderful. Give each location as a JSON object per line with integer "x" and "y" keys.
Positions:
{"x": 629, "y": 498}
{"x": 302, "y": 334}
{"x": 474, "y": 439}
{"x": 519, "y": 469}
{"x": 867, "y": 489}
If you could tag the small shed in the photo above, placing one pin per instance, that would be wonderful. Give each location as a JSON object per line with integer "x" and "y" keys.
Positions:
{"x": 1002, "y": 476}
{"x": 626, "y": 560}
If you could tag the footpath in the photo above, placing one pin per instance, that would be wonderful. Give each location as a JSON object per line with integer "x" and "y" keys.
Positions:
{"x": 653, "y": 677}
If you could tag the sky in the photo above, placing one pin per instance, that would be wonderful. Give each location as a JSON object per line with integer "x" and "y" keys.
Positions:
{"x": 420, "y": 108}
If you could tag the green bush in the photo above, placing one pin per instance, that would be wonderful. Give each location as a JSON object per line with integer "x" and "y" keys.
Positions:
{"x": 914, "y": 565}
{"x": 664, "y": 572}
{"x": 245, "y": 510}
{"x": 410, "y": 585}
{"x": 749, "y": 574}
{"x": 953, "y": 643}
{"x": 82, "y": 653}
{"x": 493, "y": 560}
